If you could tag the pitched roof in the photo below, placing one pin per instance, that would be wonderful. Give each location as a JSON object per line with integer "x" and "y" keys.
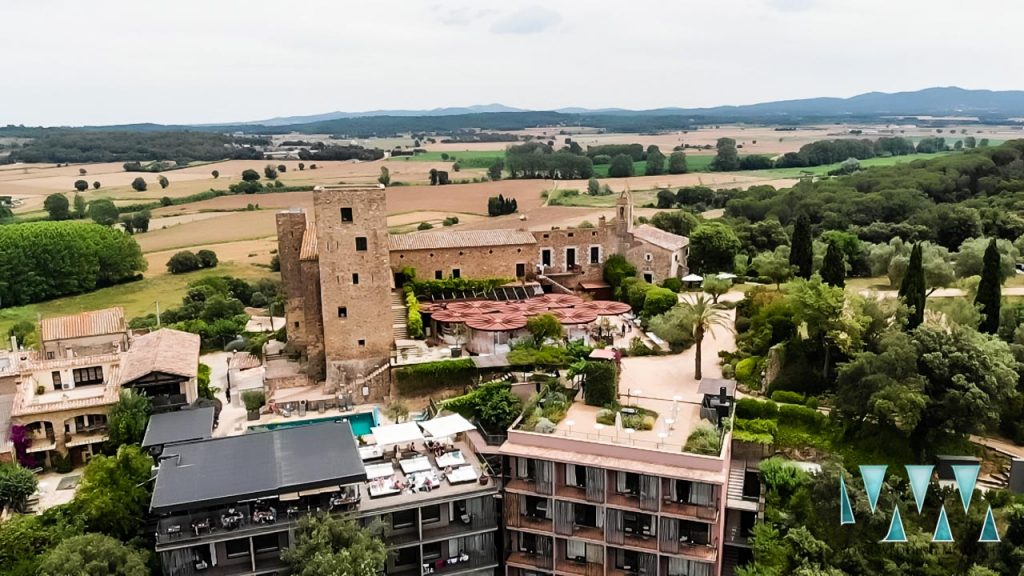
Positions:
{"x": 309, "y": 250}
{"x": 95, "y": 323}
{"x": 165, "y": 350}
{"x": 660, "y": 238}
{"x": 460, "y": 239}
{"x": 179, "y": 426}
{"x": 226, "y": 470}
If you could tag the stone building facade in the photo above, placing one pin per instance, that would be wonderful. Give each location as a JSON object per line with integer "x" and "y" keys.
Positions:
{"x": 339, "y": 269}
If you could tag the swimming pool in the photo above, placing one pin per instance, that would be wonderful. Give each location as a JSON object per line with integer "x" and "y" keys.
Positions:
{"x": 360, "y": 422}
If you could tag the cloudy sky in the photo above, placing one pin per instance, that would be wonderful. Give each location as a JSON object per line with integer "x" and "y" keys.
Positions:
{"x": 191, "y": 61}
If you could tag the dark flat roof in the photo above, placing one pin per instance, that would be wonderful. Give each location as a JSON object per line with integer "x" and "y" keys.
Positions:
{"x": 712, "y": 386}
{"x": 179, "y": 426}
{"x": 227, "y": 470}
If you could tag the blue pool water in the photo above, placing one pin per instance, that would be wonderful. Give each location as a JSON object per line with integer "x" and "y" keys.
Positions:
{"x": 361, "y": 422}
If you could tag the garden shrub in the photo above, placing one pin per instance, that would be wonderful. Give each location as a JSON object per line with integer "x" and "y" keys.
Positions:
{"x": 414, "y": 321}
{"x": 600, "y": 383}
{"x": 430, "y": 376}
{"x": 746, "y": 370}
{"x": 673, "y": 284}
{"x": 751, "y": 408}
{"x": 787, "y": 397}
{"x": 782, "y": 476}
{"x": 800, "y": 415}
{"x": 705, "y": 439}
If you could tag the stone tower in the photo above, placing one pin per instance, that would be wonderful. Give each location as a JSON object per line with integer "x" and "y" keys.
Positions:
{"x": 291, "y": 226}
{"x": 355, "y": 279}
{"x": 624, "y": 220}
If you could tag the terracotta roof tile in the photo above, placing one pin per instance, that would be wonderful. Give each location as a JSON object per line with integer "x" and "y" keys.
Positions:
{"x": 168, "y": 351}
{"x": 96, "y": 323}
{"x": 460, "y": 239}
{"x": 660, "y": 238}
{"x": 309, "y": 250}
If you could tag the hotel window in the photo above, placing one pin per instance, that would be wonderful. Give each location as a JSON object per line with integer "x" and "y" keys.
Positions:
{"x": 595, "y": 254}
{"x": 520, "y": 270}
{"x": 342, "y": 312}
{"x": 407, "y": 556}
{"x": 360, "y": 243}
{"x": 355, "y": 278}
{"x": 362, "y": 343}
{"x": 431, "y": 551}
{"x": 627, "y": 483}
{"x": 431, "y": 514}
{"x": 456, "y": 273}
{"x": 56, "y": 380}
{"x": 438, "y": 275}
{"x": 86, "y": 376}
{"x": 575, "y": 550}
{"x": 266, "y": 543}
{"x": 648, "y": 257}
{"x": 545, "y": 257}
{"x": 237, "y": 548}
{"x": 403, "y": 518}
{"x": 648, "y": 277}
{"x": 346, "y": 214}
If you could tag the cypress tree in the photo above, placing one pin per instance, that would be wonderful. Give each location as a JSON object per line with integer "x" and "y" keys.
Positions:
{"x": 912, "y": 290}
{"x": 989, "y": 290}
{"x": 801, "y": 254}
{"x": 833, "y": 269}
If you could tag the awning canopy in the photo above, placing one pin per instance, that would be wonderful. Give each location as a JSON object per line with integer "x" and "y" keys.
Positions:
{"x": 692, "y": 278}
{"x": 446, "y": 426}
{"x": 396, "y": 433}
{"x": 726, "y": 276}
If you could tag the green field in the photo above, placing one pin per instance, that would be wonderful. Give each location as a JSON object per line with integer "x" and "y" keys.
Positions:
{"x": 700, "y": 163}
{"x": 137, "y": 298}
{"x": 465, "y": 158}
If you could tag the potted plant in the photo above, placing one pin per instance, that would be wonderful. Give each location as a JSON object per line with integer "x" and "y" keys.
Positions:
{"x": 40, "y": 390}
{"x": 253, "y": 400}
{"x": 459, "y": 332}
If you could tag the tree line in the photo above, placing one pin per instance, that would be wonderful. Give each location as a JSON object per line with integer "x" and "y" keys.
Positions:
{"x": 182, "y": 147}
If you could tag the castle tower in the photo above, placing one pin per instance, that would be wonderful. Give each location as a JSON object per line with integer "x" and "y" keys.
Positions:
{"x": 624, "y": 213}
{"x": 355, "y": 278}
{"x": 291, "y": 226}
{"x": 624, "y": 220}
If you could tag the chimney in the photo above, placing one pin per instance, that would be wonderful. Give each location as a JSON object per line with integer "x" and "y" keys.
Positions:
{"x": 722, "y": 394}
{"x": 602, "y": 221}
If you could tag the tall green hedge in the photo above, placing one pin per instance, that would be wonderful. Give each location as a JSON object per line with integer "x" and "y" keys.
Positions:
{"x": 600, "y": 383}
{"x": 414, "y": 321}
{"x": 448, "y": 285}
{"x": 429, "y": 376}
{"x": 44, "y": 260}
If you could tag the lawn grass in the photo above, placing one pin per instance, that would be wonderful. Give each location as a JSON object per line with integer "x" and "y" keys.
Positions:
{"x": 137, "y": 298}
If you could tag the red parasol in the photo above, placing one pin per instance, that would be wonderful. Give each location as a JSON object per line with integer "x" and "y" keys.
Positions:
{"x": 478, "y": 306}
{"x": 605, "y": 307}
{"x": 574, "y": 316}
{"x": 527, "y": 307}
{"x": 454, "y": 316}
{"x": 560, "y": 300}
{"x": 497, "y": 322}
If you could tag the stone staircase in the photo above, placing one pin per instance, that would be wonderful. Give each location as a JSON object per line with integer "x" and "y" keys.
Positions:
{"x": 736, "y": 478}
{"x": 399, "y": 315}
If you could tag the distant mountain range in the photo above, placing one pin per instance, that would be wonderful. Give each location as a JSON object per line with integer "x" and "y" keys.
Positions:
{"x": 948, "y": 101}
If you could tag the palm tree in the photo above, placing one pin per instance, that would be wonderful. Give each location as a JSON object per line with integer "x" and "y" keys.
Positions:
{"x": 705, "y": 315}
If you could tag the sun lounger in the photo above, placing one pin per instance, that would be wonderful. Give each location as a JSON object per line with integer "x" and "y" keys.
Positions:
{"x": 452, "y": 459}
{"x": 461, "y": 475}
{"x": 418, "y": 464}
{"x": 374, "y": 471}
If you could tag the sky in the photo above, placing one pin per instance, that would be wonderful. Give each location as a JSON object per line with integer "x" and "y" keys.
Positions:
{"x": 69, "y": 62}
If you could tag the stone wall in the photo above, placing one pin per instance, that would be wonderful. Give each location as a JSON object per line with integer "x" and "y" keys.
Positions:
{"x": 291, "y": 226}
{"x": 471, "y": 262}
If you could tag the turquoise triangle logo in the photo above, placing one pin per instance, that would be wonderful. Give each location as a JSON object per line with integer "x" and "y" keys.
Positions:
{"x": 873, "y": 477}
{"x": 896, "y": 532}
{"x": 919, "y": 476}
{"x": 845, "y": 510}
{"x": 942, "y": 531}
{"x": 966, "y": 477}
{"x": 988, "y": 529}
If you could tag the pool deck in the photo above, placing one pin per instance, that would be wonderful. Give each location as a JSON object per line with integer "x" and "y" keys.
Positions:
{"x": 236, "y": 422}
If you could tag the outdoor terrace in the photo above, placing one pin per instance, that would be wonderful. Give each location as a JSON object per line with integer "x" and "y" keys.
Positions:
{"x": 455, "y": 473}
